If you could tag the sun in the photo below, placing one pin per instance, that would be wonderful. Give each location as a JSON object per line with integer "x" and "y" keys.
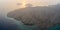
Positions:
{"x": 23, "y": 3}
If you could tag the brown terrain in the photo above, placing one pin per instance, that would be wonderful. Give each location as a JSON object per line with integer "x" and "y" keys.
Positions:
{"x": 41, "y": 16}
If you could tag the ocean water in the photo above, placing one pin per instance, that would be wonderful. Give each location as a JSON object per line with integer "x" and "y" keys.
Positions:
{"x": 57, "y": 27}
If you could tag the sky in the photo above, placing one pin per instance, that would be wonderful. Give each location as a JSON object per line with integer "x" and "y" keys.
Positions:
{"x": 9, "y": 5}
{"x": 13, "y": 3}
{"x": 34, "y": 2}
{"x": 30, "y": 1}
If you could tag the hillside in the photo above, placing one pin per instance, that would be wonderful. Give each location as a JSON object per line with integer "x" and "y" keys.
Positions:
{"x": 41, "y": 16}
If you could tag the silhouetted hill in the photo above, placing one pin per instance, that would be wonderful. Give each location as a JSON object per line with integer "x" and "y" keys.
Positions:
{"x": 42, "y": 16}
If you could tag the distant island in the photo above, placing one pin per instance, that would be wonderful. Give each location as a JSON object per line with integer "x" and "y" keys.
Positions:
{"x": 41, "y": 16}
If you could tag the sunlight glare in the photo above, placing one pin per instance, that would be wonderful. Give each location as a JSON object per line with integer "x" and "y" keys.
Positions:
{"x": 23, "y": 3}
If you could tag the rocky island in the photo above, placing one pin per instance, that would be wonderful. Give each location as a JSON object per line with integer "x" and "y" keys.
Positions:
{"x": 40, "y": 16}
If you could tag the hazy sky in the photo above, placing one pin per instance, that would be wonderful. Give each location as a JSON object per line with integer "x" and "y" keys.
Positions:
{"x": 9, "y": 5}
{"x": 31, "y": 1}
{"x": 38, "y": 2}
{"x": 13, "y": 3}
